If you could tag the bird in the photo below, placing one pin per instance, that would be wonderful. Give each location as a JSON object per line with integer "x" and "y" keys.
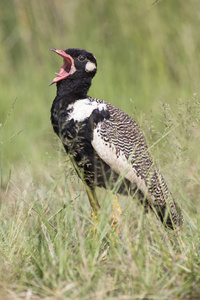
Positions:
{"x": 106, "y": 146}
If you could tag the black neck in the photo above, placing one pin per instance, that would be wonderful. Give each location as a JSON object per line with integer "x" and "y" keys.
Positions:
{"x": 73, "y": 89}
{"x": 68, "y": 91}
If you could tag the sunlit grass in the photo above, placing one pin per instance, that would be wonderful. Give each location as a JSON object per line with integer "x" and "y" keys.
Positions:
{"x": 49, "y": 248}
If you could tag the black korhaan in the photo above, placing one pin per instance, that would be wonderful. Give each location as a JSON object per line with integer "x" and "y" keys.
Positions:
{"x": 104, "y": 143}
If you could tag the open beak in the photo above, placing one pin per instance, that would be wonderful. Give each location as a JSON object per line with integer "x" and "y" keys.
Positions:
{"x": 66, "y": 69}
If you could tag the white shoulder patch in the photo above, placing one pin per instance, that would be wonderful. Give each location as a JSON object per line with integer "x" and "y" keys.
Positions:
{"x": 119, "y": 163}
{"x": 90, "y": 66}
{"x": 82, "y": 109}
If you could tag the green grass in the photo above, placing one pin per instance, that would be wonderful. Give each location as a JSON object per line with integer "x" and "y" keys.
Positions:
{"x": 47, "y": 244}
{"x": 47, "y": 247}
{"x": 148, "y": 65}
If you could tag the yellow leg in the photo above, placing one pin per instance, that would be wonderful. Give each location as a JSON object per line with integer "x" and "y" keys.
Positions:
{"x": 93, "y": 200}
{"x": 116, "y": 210}
{"x": 95, "y": 207}
{"x": 94, "y": 229}
{"x": 116, "y": 213}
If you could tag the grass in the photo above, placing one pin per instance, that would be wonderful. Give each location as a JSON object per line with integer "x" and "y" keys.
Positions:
{"x": 148, "y": 65}
{"x": 47, "y": 244}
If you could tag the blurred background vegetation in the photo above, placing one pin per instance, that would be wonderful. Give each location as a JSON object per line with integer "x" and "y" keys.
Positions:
{"x": 147, "y": 53}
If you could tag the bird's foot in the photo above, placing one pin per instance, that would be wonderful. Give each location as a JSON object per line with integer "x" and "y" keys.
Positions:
{"x": 94, "y": 229}
{"x": 116, "y": 213}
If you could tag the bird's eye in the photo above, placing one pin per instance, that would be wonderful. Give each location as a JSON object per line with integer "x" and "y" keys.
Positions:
{"x": 82, "y": 58}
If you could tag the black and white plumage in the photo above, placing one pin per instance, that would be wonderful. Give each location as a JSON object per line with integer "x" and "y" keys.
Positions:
{"x": 103, "y": 141}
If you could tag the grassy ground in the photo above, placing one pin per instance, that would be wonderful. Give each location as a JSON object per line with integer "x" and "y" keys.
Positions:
{"x": 47, "y": 245}
{"x": 148, "y": 65}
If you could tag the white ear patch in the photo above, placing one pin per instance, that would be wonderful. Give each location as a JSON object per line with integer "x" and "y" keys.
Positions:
{"x": 90, "y": 66}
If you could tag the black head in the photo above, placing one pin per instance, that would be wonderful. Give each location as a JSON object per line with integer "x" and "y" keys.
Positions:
{"x": 77, "y": 64}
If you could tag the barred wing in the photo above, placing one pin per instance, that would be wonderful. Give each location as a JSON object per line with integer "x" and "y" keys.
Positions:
{"x": 120, "y": 143}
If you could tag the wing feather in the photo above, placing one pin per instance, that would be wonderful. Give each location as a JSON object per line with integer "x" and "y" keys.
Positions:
{"x": 121, "y": 144}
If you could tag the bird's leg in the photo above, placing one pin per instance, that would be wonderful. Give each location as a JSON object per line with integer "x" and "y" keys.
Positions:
{"x": 93, "y": 200}
{"x": 116, "y": 213}
{"x": 94, "y": 204}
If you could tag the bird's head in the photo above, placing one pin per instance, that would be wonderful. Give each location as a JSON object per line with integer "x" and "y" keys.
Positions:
{"x": 77, "y": 64}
